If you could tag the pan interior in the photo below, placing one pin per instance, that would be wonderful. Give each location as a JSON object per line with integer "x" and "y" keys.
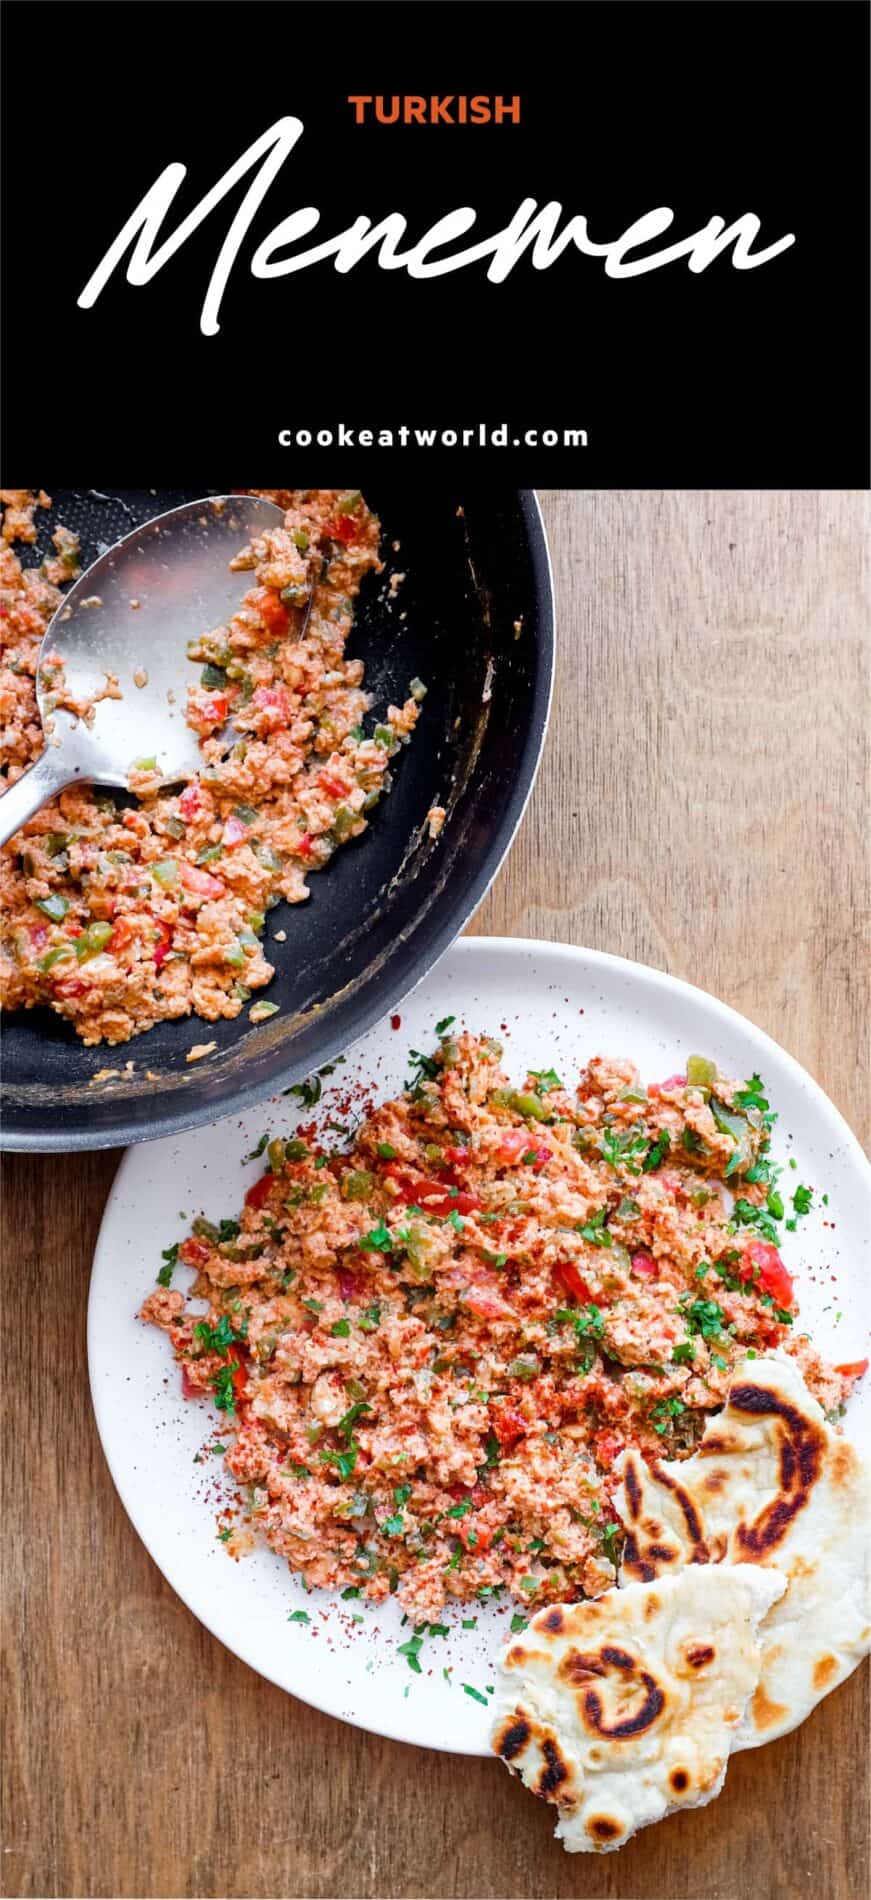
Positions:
{"x": 471, "y": 616}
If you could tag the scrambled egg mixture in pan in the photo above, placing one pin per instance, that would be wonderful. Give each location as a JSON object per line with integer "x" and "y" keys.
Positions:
{"x": 118, "y": 918}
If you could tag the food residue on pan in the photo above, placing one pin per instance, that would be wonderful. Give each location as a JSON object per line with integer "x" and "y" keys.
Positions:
{"x": 119, "y": 918}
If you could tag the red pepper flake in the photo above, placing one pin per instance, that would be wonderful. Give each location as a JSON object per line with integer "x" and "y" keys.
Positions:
{"x": 396, "y": 1022}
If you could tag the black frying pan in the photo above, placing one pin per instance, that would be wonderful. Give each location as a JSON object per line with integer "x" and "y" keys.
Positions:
{"x": 478, "y": 628}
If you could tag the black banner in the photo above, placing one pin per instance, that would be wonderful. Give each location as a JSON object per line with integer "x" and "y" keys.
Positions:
{"x": 564, "y": 244}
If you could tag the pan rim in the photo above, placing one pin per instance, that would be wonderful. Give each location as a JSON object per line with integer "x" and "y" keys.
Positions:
{"x": 388, "y": 988}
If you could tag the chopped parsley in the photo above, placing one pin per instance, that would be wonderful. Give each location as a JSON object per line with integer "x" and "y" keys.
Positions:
{"x": 218, "y": 1338}
{"x": 299, "y": 1616}
{"x": 344, "y": 1461}
{"x": 475, "y": 1694}
{"x": 346, "y": 1424}
{"x": 378, "y": 1240}
{"x": 657, "y": 1152}
{"x": 222, "y": 1386}
{"x": 705, "y": 1317}
{"x": 624, "y": 1148}
{"x": 169, "y": 1256}
{"x": 745, "y": 1214}
{"x": 411, "y": 1651}
{"x": 594, "y": 1231}
{"x": 545, "y": 1080}
{"x": 612, "y": 1537}
{"x": 664, "y": 1411}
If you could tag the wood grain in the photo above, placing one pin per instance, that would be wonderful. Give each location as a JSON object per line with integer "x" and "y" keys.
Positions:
{"x": 702, "y": 806}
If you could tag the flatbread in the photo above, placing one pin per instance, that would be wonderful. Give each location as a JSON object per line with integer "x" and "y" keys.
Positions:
{"x": 771, "y": 1483}
{"x": 621, "y": 1709}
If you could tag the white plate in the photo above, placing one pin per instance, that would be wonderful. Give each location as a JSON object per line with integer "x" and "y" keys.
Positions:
{"x": 550, "y": 1003}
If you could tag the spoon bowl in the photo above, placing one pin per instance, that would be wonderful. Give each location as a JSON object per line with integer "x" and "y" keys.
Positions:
{"x": 121, "y": 637}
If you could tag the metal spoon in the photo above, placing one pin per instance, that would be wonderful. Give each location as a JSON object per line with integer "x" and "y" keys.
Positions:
{"x": 130, "y": 616}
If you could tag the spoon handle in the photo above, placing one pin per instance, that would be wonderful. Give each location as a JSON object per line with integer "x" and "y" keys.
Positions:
{"x": 33, "y": 789}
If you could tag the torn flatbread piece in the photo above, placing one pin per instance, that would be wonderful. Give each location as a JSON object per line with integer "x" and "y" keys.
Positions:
{"x": 771, "y": 1484}
{"x": 624, "y": 1708}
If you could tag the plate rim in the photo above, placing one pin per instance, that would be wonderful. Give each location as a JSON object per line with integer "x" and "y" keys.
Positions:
{"x": 473, "y": 948}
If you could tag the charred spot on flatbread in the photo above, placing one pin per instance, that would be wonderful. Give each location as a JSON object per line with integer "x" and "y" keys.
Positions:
{"x": 555, "y": 1771}
{"x": 633, "y": 1488}
{"x": 766, "y": 1714}
{"x": 628, "y": 1726}
{"x": 580, "y": 1666}
{"x": 553, "y": 1620}
{"x": 698, "y": 1655}
{"x": 601, "y": 1827}
{"x": 800, "y": 1462}
{"x": 679, "y": 1780}
{"x": 512, "y": 1739}
{"x": 825, "y": 1669}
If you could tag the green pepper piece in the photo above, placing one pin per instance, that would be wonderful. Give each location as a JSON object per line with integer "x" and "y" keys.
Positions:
{"x": 701, "y": 1073}
{"x": 526, "y": 1366}
{"x": 166, "y": 872}
{"x": 357, "y": 1184}
{"x": 730, "y": 1123}
{"x": 530, "y": 1106}
{"x": 54, "y": 956}
{"x": 55, "y": 906}
{"x": 92, "y": 941}
{"x": 343, "y": 823}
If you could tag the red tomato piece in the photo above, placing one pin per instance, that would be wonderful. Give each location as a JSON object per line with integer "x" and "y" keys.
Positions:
{"x": 770, "y": 1271}
{"x": 853, "y": 1369}
{"x": 607, "y": 1447}
{"x": 162, "y": 944}
{"x": 457, "y": 1157}
{"x": 305, "y": 847}
{"x": 201, "y": 882}
{"x": 234, "y": 831}
{"x": 193, "y": 1252}
{"x": 190, "y": 800}
{"x": 343, "y": 528}
{"x": 273, "y": 702}
{"x": 512, "y": 1144}
{"x": 486, "y": 1302}
{"x": 208, "y": 712}
{"x": 643, "y": 1266}
{"x": 189, "y": 1389}
{"x": 333, "y": 785}
{"x": 434, "y": 1196}
{"x": 574, "y": 1281}
{"x": 258, "y": 1193}
{"x": 272, "y": 611}
{"x": 124, "y": 932}
{"x": 671, "y": 1082}
{"x": 508, "y": 1424}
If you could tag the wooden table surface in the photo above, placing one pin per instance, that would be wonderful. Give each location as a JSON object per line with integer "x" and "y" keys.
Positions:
{"x": 701, "y": 807}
